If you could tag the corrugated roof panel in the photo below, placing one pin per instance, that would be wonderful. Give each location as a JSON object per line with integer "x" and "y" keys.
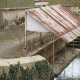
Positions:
{"x": 64, "y": 16}
{"x": 70, "y": 36}
{"x": 67, "y": 37}
{"x": 76, "y": 32}
{"x": 70, "y": 14}
{"x": 59, "y": 20}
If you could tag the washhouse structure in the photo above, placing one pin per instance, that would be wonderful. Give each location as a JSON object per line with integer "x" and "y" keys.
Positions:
{"x": 58, "y": 21}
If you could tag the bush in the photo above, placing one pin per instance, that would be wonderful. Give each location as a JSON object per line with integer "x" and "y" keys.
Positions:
{"x": 16, "y": 72}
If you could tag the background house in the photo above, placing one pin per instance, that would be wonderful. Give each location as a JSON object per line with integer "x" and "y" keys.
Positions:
{"x": 41, "y": 2}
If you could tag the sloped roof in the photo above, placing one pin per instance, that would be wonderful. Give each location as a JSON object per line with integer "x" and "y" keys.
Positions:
{"x": 59, "y": 20}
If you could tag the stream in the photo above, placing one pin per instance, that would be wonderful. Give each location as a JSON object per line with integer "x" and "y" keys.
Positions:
{"x": 72, "y": 71}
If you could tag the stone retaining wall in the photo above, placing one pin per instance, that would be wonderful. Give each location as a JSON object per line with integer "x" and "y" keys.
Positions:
{"x": 24, "y": 61}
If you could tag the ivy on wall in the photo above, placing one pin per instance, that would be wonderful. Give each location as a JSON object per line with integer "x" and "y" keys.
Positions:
{"x": 40, "y": 71}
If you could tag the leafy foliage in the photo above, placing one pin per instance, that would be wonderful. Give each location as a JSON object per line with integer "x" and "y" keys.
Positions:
{"x": 3, "y": 75}
{"x": 43, "y": 70}
{"x": 18, "y": 72}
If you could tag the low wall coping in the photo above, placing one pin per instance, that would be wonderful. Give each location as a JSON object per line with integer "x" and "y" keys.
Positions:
{"x": 23, "y": 60}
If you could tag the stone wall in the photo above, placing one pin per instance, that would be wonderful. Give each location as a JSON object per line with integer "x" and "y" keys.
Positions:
{"x": 24, "y": 61}
{"x": 35, "y": 67}
{"x": 12, "y": 17}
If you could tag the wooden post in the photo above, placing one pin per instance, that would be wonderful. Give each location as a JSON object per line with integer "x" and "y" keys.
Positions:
{"x": 31, "y": 44}
{"x": 64, "y": 53}
{"x": 53, "y": 58}
{"x": 41, "y": 3}
{"x": 36, "y": 40}
{"x": 40, "y": 36}
{"x": 25, "y": 29}
{"x": 73, "y": 48}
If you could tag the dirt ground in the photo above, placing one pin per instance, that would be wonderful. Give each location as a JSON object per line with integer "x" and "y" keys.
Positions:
{"x": 11, "y": 42}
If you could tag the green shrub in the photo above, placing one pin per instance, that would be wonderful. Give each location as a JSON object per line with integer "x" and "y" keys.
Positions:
{"x": 17, "y": 72}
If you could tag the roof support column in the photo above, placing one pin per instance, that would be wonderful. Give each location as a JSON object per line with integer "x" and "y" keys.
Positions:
{"x": 40, "y": 36}
{"x": 73, "y": 48}
{"x": 64, "y": 52}
{"x": 53, "y": 55}
{"x": 25, "y": 30}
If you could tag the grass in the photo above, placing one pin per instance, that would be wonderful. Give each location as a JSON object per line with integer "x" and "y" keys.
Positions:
{"x": 24, "y": 3}
{"x": 30, "y": 3}
{"x": 16, "y": 3}
{"x": 11, "y": 33}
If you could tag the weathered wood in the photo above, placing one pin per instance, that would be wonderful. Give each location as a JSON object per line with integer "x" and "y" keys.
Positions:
{"x": 59, "y": 45}
{"x": 40, "y": 35}
{"x": 25, "y": 30}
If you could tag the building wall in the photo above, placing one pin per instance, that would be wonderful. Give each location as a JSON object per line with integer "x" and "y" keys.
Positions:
{"x": 41, "y": 2}
{"x": 13, "y": 14}
{"x": 79, "y": 12}
{"x": 74, "y": 9}
{"x": 12, "y": 17}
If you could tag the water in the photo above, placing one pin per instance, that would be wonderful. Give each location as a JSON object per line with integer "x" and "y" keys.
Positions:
{"x": 72, "y": 72}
